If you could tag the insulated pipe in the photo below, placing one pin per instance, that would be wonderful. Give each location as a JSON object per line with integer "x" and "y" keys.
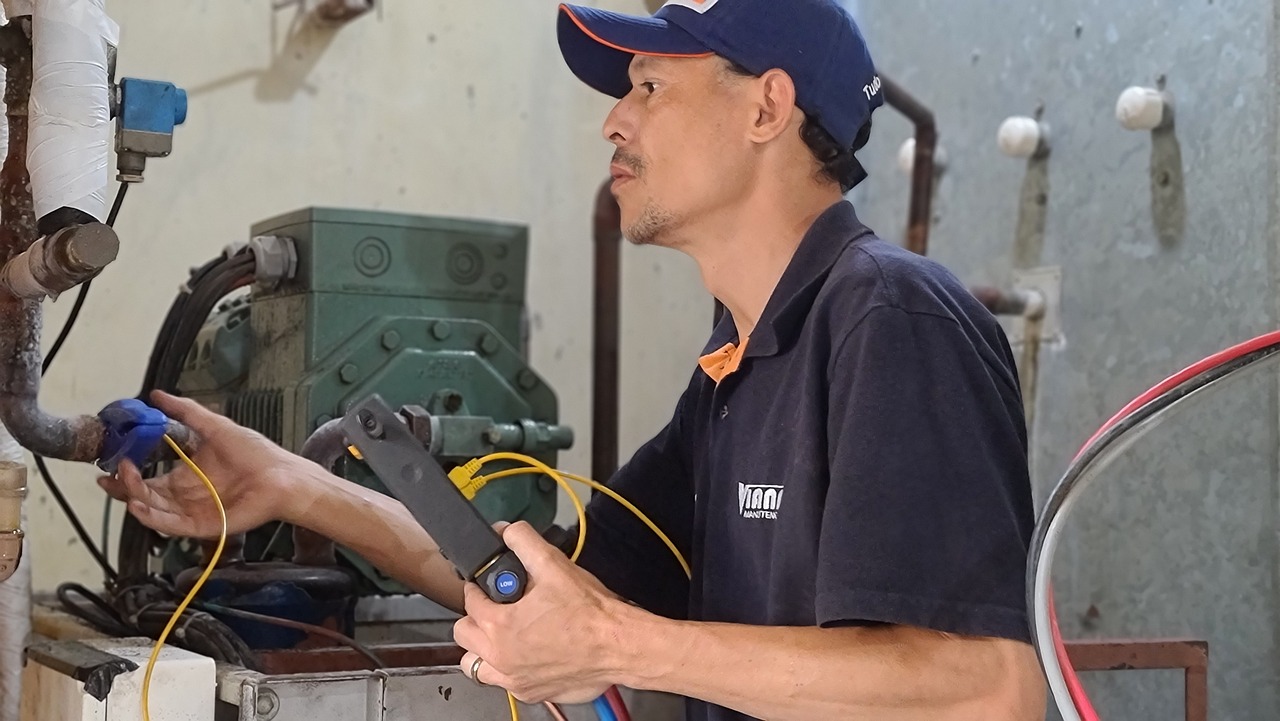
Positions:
{"x": 919, "y": 214}
{"x": 607, "y": 236}
{"x": 70, "y": 115}
{"x": 323, "y": 447}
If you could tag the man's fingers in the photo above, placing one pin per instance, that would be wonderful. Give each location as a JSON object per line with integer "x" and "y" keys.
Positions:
{"x": 165, "y": 522}
{"x": 114, "y": 487}
{"x": 474, "y": 600}
{"x": 531, "y": 548}
{"x": 467, "y": 634}
{"x": 186, "y": 411}
{"x": 485, "y": 673}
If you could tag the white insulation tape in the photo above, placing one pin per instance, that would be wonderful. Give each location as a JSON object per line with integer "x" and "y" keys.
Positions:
{"x": 70, "y": 124}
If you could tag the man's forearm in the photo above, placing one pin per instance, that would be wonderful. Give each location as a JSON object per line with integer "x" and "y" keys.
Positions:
{"x": 883, "y": 673}
{"x": 377, "y": 527}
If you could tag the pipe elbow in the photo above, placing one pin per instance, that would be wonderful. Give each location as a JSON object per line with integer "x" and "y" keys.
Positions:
{"x": 326, "y": 445}
{"x": 68, "y": 439}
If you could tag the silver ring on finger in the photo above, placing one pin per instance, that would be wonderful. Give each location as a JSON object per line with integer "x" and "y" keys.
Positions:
{"x": 475, "y": 671}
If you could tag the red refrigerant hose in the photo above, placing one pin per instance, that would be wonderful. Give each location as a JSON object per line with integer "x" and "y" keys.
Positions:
{"x": 1078, "y": 696}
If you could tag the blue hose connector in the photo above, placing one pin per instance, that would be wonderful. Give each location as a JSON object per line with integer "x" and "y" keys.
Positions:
{"x": 131, "y": 429}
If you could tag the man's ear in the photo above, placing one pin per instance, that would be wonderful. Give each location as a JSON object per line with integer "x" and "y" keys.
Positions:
{"x": 775, "y": 106}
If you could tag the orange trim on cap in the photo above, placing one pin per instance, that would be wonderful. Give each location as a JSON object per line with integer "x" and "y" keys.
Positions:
{"x": 720, "y": 363}
{"x": 581, "y": 26}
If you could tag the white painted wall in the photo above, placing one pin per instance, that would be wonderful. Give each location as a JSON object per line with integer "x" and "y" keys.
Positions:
{"x": 462, "y": 109}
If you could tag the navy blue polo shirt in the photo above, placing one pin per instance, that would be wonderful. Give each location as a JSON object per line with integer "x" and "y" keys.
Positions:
{"x": 865, "y": 463}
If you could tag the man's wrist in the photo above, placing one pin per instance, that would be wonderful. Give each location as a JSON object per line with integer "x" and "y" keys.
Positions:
{"x": 295, "y": 486}
{"x": 643, "y": 647}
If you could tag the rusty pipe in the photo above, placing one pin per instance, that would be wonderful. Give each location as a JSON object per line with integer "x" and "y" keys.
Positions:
{"x": 71, "y": 439}
{"x": 920, "y": 210}
{"x": 323, "y": 447}
{"x": 60, "y": 262}
{"x": 607, "y": 237}
{"x": 78, "y": 438}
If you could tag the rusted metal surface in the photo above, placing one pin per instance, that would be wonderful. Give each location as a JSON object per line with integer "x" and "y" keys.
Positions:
{"x": 607, "y": 237}
{"x": 72, "y": 439}
{"x": 60, "y": 262}
{"x": 919, "y": 213}
{"x": 338, "y": 659}
{"x": 1189, "y": 655}
{"x": 77, "y": 439}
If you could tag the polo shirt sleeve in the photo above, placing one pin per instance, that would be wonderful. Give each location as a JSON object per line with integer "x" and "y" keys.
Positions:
{"x": 621, "y": 550}
{"x": 928, "y": 514}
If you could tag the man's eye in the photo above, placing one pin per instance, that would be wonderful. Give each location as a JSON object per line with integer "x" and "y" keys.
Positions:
{"x": 648, "y": 87}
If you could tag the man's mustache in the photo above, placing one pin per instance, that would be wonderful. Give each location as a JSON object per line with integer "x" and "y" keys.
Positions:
{"x": 629, "y": 161}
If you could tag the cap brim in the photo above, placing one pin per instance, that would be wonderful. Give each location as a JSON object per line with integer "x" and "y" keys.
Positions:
{"x": 598, "y": 45}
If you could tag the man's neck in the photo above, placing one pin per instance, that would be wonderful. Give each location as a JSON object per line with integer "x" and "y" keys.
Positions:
{"x": 744, "y": 250}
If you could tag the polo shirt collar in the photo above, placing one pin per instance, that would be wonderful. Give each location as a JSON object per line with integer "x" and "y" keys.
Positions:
{"x": 826, "y": 239}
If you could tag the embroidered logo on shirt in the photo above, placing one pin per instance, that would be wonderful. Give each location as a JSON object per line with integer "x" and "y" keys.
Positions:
{"x": 759, "y": 501}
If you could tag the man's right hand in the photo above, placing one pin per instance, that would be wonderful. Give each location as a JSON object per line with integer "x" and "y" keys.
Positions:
{"x": 248, "y": 470}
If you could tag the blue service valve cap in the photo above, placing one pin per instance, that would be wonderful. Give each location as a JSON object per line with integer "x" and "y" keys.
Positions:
{"x": 131, "y": 429}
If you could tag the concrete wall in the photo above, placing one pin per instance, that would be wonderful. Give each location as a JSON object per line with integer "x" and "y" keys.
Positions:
{"x": 1180, "y": 537}
{"x": 424, "y": 107}
{"x": 455, "y": 109}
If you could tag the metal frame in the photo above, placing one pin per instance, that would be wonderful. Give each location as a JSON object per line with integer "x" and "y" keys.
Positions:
{"x": 1189, "y": 655}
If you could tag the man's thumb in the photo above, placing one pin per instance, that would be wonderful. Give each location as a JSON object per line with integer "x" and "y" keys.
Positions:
{"x": 532, "y": 549}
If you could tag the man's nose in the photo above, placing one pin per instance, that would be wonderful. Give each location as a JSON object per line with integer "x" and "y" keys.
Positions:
{"x": 619, "y": 124}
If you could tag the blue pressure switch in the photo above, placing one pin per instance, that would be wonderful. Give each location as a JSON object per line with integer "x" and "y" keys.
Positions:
{"x": 147, "y": 112}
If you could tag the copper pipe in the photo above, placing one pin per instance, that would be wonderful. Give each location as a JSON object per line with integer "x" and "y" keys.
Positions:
{"x": 919, "y": 214}
{"x": 607, "y": 236}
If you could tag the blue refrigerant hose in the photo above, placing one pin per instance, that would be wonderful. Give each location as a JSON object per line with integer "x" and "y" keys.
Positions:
{"x": 604, "y": 711}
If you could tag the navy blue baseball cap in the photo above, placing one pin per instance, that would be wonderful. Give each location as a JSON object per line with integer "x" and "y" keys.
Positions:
{"x": 816, "y": 42}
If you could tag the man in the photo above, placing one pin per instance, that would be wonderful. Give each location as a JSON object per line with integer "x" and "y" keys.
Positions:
{"x": 847, "y": 468}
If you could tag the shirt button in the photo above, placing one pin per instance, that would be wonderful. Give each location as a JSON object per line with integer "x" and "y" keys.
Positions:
{"x": 724, "y": 411}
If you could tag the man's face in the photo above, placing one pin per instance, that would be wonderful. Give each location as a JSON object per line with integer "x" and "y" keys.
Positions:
{"x": 681, "y": 150}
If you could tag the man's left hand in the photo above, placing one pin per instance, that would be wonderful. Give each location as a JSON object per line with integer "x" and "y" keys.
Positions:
{"x": 557, "y": 643}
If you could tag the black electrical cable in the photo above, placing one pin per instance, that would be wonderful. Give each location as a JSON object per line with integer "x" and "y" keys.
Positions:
{"x": 92, "y": 547}
{"x": 175, "y": 342}
{"x": 187, "y": 314}
{"x": 299, "y": 626}
{"x": 75, "y": 521}
{"x": 149, "y": 605}
{"x": 171, "y": 319}
{"x": 84, "y": 290}
{"x": 106, "y": 618}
